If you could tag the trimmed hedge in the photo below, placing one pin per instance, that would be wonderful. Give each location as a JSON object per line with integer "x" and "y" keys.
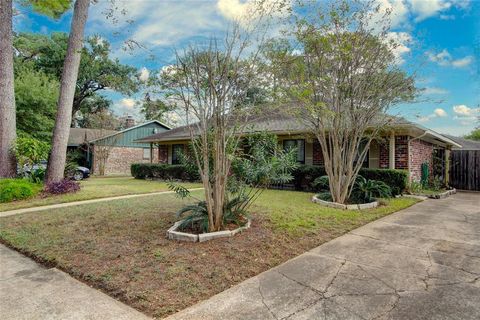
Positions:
{"x": 17, "y": 189}
{"x": 162, "y": 171}
{"x": 396, "y": 179}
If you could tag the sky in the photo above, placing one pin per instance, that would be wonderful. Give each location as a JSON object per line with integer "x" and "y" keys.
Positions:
{"x": 441, "y": 45}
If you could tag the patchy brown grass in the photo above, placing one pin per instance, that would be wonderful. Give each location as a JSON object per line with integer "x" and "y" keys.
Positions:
{"x": 120, "y": 247}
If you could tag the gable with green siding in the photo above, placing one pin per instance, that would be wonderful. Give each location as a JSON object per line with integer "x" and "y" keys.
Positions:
{"x": 127, "y": 137}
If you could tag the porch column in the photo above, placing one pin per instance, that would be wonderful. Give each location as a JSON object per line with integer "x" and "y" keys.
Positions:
{"x": 391, "y": 149}
{"x": 447, "y": 166}
{"x": 151, "y": 152}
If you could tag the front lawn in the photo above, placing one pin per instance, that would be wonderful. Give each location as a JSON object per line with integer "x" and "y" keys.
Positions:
{"x": 94, "y": 188}
{"x": 120, "y": 246}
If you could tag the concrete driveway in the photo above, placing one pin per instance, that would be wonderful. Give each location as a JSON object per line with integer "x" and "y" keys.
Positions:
{"x": 420, "y": 263}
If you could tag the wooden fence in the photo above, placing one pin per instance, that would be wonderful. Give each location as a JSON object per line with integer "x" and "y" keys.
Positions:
{"x": 465, "y": 169}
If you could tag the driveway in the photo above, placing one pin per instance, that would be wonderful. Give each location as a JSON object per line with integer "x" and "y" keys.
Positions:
{"x": 420, "y": 263}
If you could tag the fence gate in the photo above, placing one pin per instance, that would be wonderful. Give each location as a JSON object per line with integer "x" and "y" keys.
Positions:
{"x": 465, "y": 169}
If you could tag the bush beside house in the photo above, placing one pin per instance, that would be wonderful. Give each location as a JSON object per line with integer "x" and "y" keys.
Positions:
{"x": 162, "y": 171}
{"x": 303, "y": 176}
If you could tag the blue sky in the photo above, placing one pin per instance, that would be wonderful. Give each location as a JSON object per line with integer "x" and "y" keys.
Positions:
{"x": 441, "y": 43}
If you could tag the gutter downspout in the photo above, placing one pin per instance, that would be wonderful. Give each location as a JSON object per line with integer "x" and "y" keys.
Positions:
{"x": 408, "y": 144}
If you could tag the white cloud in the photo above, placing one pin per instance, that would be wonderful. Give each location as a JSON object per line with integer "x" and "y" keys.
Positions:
{"x": 437, "y": 113}
{"x": 144, "y": 74}
{"x": 400, "y": 41}
{"x": 445, "y": 59}
{"x": 245, "y": 11}
{"x": 447, "y": 17}
{"x": 127, "y": 103}
{"x": 434, "y": 91}
{"x": 397, "y": 8}
{"x": 463, "y": 62}
{"x": 424, "y": 9}
{"x": 462, "y": 110}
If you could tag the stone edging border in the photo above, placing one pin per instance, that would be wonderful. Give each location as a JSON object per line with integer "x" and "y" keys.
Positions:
{"x": 337, "y": 205}
{"x": 442, "y": 195}
{"x": 173, "y": 234}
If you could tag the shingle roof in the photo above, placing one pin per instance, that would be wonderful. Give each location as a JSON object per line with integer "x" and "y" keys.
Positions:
{"x": 465, "y": 143}
{"x": 274, "y": 121}
{"x": 79, "y": 136}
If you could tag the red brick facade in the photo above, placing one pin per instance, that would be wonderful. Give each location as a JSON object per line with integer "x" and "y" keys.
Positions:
{"x": 384, "y": 155}
{"x": 121, "y": 158}
{"x": 420, "y": 152}
{"x": 401, "y": 152}
{"x": 317, "y": 154}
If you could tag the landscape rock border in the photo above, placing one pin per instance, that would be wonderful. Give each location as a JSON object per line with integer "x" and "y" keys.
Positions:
{"x": 173, "y": 234}
{"x": 337, "y": 205}
{"x": 442, "y": 195}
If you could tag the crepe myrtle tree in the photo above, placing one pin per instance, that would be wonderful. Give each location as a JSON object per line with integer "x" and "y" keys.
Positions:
{"x": 341, "y": 76}
{"x": 213, "y": 85}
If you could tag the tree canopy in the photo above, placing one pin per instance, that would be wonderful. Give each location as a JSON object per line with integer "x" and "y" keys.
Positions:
{"x": 98, "y": 71}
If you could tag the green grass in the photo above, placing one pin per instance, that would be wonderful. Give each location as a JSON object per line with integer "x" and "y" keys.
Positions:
{"x": 294, "y": 212}
{"x": 94, "y": 188}
{"x": 120, "y": 246}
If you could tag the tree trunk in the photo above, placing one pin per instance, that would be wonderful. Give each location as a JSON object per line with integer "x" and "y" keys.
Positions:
{"x": 8, "y": 166}
{"x": 56, "y": 163}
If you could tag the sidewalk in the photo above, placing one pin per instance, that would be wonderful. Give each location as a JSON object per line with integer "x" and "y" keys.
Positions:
{"x": 76, "y": 203}
{"x": 30, "y": 291}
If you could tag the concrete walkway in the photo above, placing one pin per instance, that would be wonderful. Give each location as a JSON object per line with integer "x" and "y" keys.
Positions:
{"x": 30, "y": 291}
{"x": 76, "y": 203}
{"x": 420, "y": 263}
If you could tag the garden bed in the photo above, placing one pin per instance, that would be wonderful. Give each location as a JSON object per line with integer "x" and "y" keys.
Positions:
{"x": 120, "y": 246}
{"x": 175, "y": 234}
{"x": 336, "y": 205}
{"x": 440, "y": 194}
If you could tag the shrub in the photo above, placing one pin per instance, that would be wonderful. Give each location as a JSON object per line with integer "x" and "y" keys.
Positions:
{"x": 321, "y": 184}
{"x": 367, "y": 190}
{"x": 397, "y": 180}
{"x": 162, "y": 171}
{"x": 17, "y": 189}
{"x": 304, "y": 176}
{"x": 61, "y": 187}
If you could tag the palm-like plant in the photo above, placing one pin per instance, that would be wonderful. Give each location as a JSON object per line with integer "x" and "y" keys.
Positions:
{"x": 367, "y": 190}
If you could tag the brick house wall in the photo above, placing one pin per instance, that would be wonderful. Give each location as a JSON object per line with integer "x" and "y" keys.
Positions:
{"x": 401, "y": 152}
{"x": 121, "y": 158}
{"x": 317, "y": 154}
{"x": 420, "y": 152}
{"x": 384, "y": 155}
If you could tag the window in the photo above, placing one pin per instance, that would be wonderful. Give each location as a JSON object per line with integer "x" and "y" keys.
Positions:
{"x": 362, "y": 146}
{"x": 146, "y": 153}
{"x": 299, "y": 145}
{"x": 177, "y": 150}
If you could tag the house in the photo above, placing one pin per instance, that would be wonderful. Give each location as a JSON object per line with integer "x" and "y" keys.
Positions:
{"x": 405, "y": 145}
{"x": 112, "y": 151}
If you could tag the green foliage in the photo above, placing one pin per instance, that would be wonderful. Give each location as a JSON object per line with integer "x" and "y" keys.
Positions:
{"x": 305, "y": 175}
{"x": 161, "y": 171}
{"x": 36, "y": 95}
{"x": 51, "y": 8}
{"x": 30, "y": 151}
{"x": 155, "y": 109}
{"x": 17, "y": 189}
{"x": 368, "y": 190}
{"x": 321, "y": 183}
{"x": 414, "y": 187}
{"x": 97, "y": 72}
{"x": 196, "y": 215}
{"x": 474, "y": 135}
{"x": 325, "y": 196}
